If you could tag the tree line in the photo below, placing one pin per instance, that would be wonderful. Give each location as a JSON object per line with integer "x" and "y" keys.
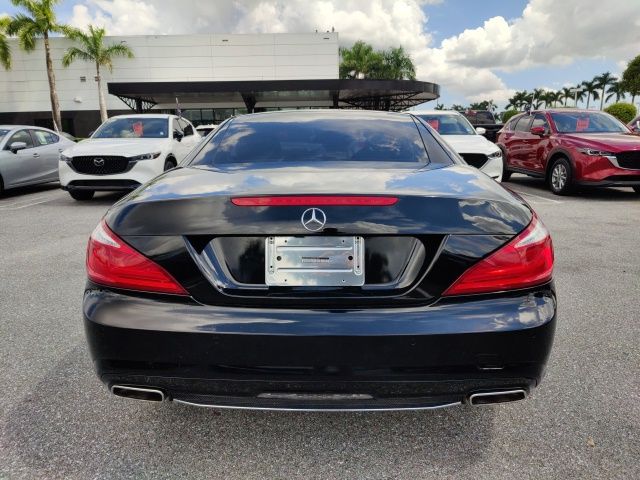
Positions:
{"x": 604, "y": 87}
{"x": 363, "y": 61}
{"x": 37, "y": 20}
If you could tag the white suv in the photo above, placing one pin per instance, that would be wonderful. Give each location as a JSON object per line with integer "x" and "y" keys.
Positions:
{"x": 467, "y": 141}
{"x": 125, "y": 152}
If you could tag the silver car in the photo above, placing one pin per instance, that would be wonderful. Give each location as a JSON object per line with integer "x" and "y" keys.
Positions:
{"x": 29, "y": 155}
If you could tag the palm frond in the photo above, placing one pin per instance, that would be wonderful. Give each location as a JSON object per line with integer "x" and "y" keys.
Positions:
{"x": 74, "y": 53}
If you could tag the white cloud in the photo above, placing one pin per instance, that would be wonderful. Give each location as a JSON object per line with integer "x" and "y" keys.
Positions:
{"x": 550, "y": 32}
{"x": 547, "y": 32}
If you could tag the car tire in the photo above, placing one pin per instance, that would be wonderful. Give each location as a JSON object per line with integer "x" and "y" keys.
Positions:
{"x": 635, "y": 189}
{"x": 506, "y": 174}
{"x": 1, "y": 186}
{"x": 560, "y": 178}
{"x": 81, "y": 194}
{"x": 169, "y": 163}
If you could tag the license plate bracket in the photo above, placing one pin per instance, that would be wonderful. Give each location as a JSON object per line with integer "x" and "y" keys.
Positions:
{"x": 319, "y": 261}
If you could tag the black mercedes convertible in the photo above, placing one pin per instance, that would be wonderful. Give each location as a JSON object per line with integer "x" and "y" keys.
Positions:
{"x": 321, "y": 260}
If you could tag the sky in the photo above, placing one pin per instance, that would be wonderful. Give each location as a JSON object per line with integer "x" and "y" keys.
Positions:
{"x": 475, "y": 50}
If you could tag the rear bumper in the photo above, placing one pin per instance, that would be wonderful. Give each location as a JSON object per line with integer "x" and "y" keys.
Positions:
{"x": 310, "y": 359}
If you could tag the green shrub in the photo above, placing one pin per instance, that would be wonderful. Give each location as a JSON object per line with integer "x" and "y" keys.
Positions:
{"x": 625, "y": 112}
{"x": 508, "y": 114}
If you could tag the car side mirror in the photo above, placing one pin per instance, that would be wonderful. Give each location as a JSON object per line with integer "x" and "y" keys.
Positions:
{"x": 541, "y": 131}
{"x": 481, "y": 130}
{"x": 15, "y": 146}
{"x": 177, "y": 134}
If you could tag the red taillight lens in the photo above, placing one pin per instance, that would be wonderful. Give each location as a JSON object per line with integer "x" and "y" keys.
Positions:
{"x": 525, "y": 261}
{"x": 315, "y": 200}
{"x": 111, "y": 262}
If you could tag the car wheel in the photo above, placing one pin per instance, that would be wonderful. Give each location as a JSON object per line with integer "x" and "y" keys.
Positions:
{"x": 560, "y": 176}
{"x": 1, "y": 186}
{"x": 81, "y": 194}
{"x": 169, "y": 164}
{"x": 506, "y": 174}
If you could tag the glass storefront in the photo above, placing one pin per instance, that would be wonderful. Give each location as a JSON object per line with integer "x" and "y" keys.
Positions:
{"x": 207, "y": 116}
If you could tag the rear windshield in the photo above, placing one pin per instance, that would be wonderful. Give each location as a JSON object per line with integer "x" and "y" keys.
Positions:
{"x": 448, "y": 124}
{"x": 135, "y": 127}
{"x": 586, "y": 122}
{"x": 310, "y": 139}
{"x": 479, "y": 117}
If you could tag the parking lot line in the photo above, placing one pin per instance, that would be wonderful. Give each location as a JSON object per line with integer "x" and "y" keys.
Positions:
{"x": 7, "y": 205}
{"x": 27, "y": 205}
{"x": 526, "y": 194}
{"x": 28, "y": 200}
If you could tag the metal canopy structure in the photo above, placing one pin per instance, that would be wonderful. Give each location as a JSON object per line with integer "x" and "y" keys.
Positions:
{"x": 392, "y": 95}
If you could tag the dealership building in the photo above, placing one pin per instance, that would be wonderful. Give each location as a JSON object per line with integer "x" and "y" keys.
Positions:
{"x": 208, "y": 77}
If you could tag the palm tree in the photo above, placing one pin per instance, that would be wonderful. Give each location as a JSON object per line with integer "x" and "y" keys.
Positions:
{"x": 567, "y": 94}
{"x": 359, "y": 61}
{"x": 617, "y": 90}
{"x": 537, "y": 98}
{"x": 5, "y": 51}
{"x": 554, "y": 97}
{"x": 591, "y": 89}
{"x": 398, "y": 65}
{"x": 603, "y": 80}
{"x": 39, "y": 22}
{"x": 94, "y": 50}
{"x": 517, "y": 100}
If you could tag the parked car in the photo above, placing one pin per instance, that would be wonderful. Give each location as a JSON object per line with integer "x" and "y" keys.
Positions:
{"x": 205, "y": 130}
{"x": 474, "y": 148}
{"x": 485, "y": 122}
{"x": 634, "y": 125}
{"x": 570, "y": 147}
{"x": 125, "y": 152}
{"x": 338, "y": 260}
{"x": 29, "y": 155}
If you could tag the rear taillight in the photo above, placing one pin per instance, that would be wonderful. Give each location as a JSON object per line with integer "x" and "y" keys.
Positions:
{"x": 111, "y": 262}
{"x": 525, "y": 261}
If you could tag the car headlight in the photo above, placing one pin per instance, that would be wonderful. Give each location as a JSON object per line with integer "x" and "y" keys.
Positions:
{"x": 64, "y": 158}
{"x": 497, "y": 154}
{"x": 595, "y": 153}
{"x": 146, "y": 156}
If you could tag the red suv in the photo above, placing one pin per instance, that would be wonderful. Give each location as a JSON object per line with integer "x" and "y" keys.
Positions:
{"x": 569, "y": 147}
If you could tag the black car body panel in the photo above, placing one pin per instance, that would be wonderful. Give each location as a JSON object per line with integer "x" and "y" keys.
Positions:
{"x": 394, "y": 342}
{"x": 194, "y": 201}
{"x": 403, "y": 358}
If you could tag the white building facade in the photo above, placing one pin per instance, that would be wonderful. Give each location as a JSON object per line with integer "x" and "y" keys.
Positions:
{"x": 24, "y": 91}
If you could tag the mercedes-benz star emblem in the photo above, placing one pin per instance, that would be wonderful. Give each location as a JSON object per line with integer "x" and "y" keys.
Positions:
{"x": 313, "y": 219}
{"x": 98, "y": 162}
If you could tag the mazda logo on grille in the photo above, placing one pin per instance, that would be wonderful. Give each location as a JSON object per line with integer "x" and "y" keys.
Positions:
{"x": 313, "y": 219}
{"x": 98, "y": 162}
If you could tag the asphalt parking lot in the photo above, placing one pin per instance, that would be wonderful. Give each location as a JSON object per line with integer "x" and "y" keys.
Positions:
{"x": 58, "y": 421}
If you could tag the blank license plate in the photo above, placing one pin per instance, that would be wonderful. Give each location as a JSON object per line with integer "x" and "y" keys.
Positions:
{"x": 314, "y": 261}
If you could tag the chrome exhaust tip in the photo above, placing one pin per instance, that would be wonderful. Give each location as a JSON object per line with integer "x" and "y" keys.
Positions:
{"x": 503, "y": 396}
{"x": 138, "y": 393}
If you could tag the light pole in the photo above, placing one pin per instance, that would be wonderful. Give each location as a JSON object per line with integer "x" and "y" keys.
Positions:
{"x": 575, "y": 91}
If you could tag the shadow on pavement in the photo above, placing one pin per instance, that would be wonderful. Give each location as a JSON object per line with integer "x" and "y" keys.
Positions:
{"x": 19, "y": 191}
{"x": 70, "y": 427}
{"x": 604, "y": 193}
